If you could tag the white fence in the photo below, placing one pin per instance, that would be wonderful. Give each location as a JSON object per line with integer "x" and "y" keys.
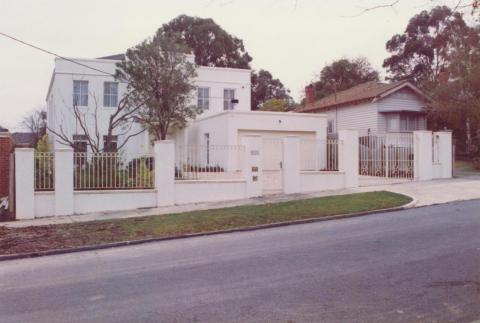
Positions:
{"x": 319, "y": 155}
{"x": 200, "y": 162}
{"x": 44, "y": 171}
{"x": 112, "y": 171}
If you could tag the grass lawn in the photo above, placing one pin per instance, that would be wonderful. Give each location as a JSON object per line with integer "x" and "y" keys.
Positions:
{"x": 59, "y": 236}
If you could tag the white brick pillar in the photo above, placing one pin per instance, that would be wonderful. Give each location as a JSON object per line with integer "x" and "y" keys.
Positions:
{"x": 24, "y": 183}
{"x": 164, "y": 151}
{"x": 64, "y": 204}
{"x": 252, "y": 165}
{"x": 445, "y": 152}
{"x": 291, "y": 165}
{"x": 423, "y": 155}
{"x": 348, "y": 156}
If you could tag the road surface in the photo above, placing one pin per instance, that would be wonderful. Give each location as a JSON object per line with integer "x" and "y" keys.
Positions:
{"x": 420, "y": 265}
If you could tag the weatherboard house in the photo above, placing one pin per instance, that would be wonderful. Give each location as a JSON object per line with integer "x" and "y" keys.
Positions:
{"x": 372, "y": 108}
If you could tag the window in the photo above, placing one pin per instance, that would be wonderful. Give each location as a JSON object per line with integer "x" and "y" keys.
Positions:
{"x": 110, "y": 94}
{"x": 113, "y": 144}
{"x": 330, "y": 126}
{"x": 80, "y": 143}
{"x": 203, "y": 95}
{"x": 80, "y": 93}
{"x": 228, "y": 99}
{"x": 408, "y": 122}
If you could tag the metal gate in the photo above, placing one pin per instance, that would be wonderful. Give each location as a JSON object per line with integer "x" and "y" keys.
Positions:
{"x": 388, "y": 156}
{"x": 272, "y": 163}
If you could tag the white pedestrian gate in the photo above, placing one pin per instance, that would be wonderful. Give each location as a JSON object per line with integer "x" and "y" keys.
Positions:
{"x": 389, "y": 156}
{"x": 272, "y": 162}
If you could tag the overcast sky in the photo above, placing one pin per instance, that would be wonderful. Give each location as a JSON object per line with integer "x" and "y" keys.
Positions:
{"x": 292, "y": 39}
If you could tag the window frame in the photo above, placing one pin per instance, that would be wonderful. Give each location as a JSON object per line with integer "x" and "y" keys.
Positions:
{"x": 227, "y": 101}
{"x": 202, "y": 101}
{"x": 77, "y": 140}
{"x": 110, "y": 96}
{"x": 114, "y": 142}
{"x": 330, "y": 126}
{"x": 79, "y": 98}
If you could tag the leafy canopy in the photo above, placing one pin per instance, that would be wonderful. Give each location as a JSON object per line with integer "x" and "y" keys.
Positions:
{"x": 213, "y": 46}
{"x": 343, "y": 74}
{"x": 160, "y": 78}
{"x": 425, "y": 48}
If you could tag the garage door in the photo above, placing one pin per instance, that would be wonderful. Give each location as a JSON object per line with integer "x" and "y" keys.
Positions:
{"x": 272, "y": 157}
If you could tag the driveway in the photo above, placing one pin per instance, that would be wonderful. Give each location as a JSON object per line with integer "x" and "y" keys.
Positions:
{"x": 419, "y": 265}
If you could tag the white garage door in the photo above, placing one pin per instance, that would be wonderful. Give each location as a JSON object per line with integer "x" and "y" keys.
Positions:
{"x": 272, "y": 156}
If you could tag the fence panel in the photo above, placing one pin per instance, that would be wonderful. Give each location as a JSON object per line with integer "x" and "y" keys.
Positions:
{"x": 44, "y": 171}
{"x": 197, "y": 162}
{"x": 112, "y": 171}
{"x": 389, "y": 156}
{"x": 319, "y": 155}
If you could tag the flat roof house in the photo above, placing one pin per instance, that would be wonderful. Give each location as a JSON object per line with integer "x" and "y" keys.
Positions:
{"x": 372, "y": 108}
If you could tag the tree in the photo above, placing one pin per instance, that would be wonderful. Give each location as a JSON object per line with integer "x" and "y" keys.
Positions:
{"x": 211, "y": 44}
{"x": 265, "y": 87}
{"x": 160, "y": 80}
{"x": 343, "y": 74}
{"x": 424, "y": 50}
{"x": 457, "y": 103}
{"x": 36, "y": 123}
{"x": 277, "y": 105}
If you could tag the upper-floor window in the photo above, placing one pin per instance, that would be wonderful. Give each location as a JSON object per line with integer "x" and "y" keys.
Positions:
{"x": 80, "y": 93}
{"x": 228, "y": 99}
{"x": 110, "y": 94}
{"x": 203, "y": 97}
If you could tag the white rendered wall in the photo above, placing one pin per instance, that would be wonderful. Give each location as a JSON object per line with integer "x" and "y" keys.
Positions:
{"x": 100, "y": 201}
{"x": 44, "y": 204}
{"x": 321, "y": 181}
{"x": 209, "y": 191}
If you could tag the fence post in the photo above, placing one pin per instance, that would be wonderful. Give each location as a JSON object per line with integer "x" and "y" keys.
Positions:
{"x": 63, "y": 175}
{"x": 24, "y": 183}
{"x": 252, "y": 166}
{"x": 164, "y": 151}
{"x": 348, "y": 161}
{"x": 445, "y": 152}
{"x": 423, "y": 155}
{"x": 291, "y": 164}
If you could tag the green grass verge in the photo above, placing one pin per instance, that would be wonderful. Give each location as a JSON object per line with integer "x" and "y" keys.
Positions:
{"x": 30, "y": 239}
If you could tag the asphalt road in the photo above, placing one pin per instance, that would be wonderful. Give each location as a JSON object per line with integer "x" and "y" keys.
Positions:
{"x": 420, "y": 265}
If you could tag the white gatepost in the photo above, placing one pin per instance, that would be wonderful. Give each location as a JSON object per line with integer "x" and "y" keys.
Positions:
{"x": 423, "y": 155}
{"x": 252, "y": 165}
{"x": 445, "y": 152}
{"x": 24, "y": 183}
{"x": 164, "y": 151}
{"x": 63, "y": 163}
{"x": 348, "y": 156}
{"x": 291, "y": 165}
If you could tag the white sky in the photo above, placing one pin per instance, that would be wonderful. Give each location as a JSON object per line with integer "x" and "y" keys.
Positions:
{"x": 293, "y": 41}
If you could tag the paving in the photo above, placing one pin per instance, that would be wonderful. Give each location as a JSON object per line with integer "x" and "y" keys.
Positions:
{"x": 416, "y": 265}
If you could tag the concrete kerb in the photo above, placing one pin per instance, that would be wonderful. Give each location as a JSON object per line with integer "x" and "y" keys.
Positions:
{"x": 409, "y": 205}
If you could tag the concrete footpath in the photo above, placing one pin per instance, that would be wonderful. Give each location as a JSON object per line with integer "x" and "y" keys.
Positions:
{"x": 425, "y": 193}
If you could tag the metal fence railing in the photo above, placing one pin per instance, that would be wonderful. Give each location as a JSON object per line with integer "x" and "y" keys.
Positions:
{"x": 112, "y": 171}
{"x": 197, "y": 162}
{"x": 44, "y": 171}
{"x": 319, "y": 155}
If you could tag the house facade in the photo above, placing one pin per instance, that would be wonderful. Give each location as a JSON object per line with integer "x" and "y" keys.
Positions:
{"x": 223, "y": 94}
{"x": 372, "y": 108}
